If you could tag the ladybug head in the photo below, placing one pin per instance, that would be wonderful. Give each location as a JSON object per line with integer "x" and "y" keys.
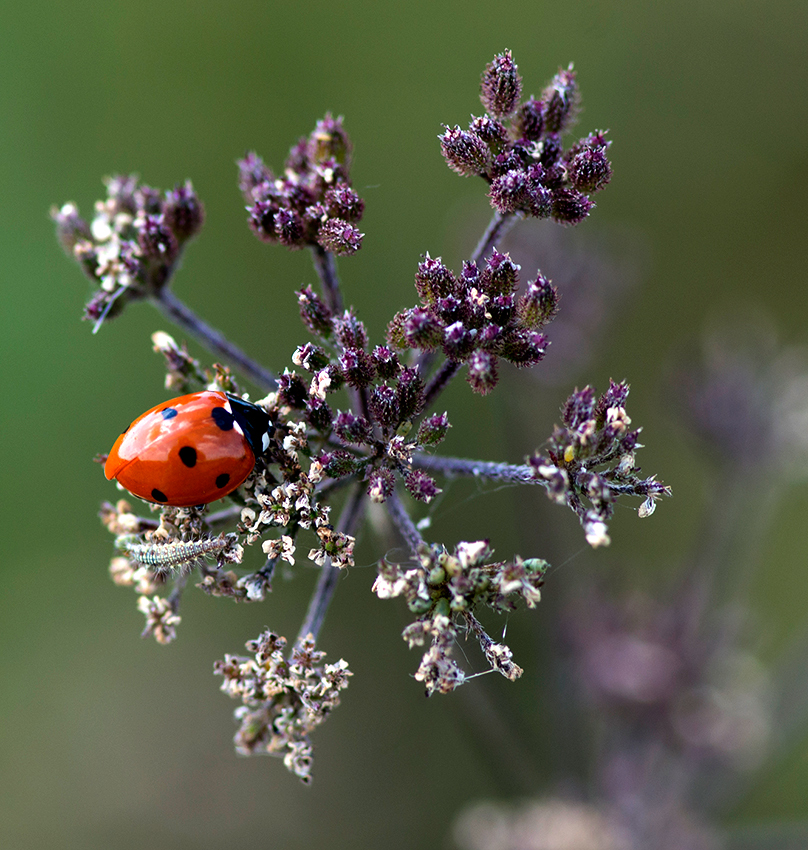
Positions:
{"x": 253, "y": 421}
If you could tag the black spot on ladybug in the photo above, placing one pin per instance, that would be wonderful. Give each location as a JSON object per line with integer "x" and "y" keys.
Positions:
{"x": 159, "y": 495}
{"x": 223, "y": 418}
{"x": 188, "y": 456}
{"x": 168, "y": 412}
{"x": 221, "y": 480}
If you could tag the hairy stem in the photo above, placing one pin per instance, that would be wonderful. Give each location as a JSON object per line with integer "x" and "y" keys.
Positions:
{"x": 456, "y": 466}
{"x": 327, "y": 270}
{"x": 349, "y": 521}
{"x": 497, "y": 228}
{"x": 403, "y": 522}
{"x": 447, "y": 371}
{"x": 213, "y": 340}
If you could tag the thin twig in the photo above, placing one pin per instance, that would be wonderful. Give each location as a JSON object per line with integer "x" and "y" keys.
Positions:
{"x": 439, "y": 380}
{"x": 403, "y": 522}
{"x": 349, "y": 521}
{"x": 327, "y": 270}
{"x": 497, "y": 228}
{"x": 213, "y": 340}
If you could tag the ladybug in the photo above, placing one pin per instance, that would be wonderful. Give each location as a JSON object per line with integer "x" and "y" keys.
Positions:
{"x": 190, "y": 450}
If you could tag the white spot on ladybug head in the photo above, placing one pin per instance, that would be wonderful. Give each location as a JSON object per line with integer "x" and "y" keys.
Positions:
{"x": 264, "y": 441}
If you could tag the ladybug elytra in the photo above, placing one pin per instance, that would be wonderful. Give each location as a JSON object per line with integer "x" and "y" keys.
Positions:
{"x": 190, "y": 450}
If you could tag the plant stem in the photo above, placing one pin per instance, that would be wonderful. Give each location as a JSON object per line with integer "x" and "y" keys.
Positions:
{"x": 403, "y": 522}
{"x": 456, "y": 466}
{"x": 447, "y": 371}
{"x": 327, "y": 270}
{"x": 349, "y": 521}
{"x": 213, "y": 340}
{"x": 497, "y": 228}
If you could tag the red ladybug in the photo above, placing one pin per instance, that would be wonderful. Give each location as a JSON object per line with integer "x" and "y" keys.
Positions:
{"x": 190, "y": 450}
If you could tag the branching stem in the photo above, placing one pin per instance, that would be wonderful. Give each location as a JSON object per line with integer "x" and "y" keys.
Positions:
{"x": 456, "y": 466}
{"x": 213, "y": 340}
{"x": 349, "y": 521}
{"x": 403, "y": 522}
{"x": 327, "y": 270}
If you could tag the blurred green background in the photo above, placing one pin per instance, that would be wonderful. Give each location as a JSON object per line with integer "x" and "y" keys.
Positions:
{"x": 111, "y": 741}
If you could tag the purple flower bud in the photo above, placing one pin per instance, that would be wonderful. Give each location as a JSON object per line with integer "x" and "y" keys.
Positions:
{"x": 560, "y": 100}
{"x": 508, "y": 192}
{"x": 122, "y": 190}
{"x": 470, "y": 276}
{"x": 310, "y": 357}
{"x": 262, "y": 220}
{"x": 383, "y": 406}
{"x": 351, "y": 428}
{"x": 570, "y": 206}
{"x": 492, "y": 132}
{"x": 339, "y": 237}
{"x": 491, "y": 334}
{"x": 421, "y": 486}
{"x": 329, "y": 141}
{"x": 351, "y": 331}
{"x": 579, "y": 408}
{"x": 421, "y": 330}
{"x": 252, "y": 173}
{"x": 538, "y": 198}
{"x": 550, "y": 150}
{"x": 381, "y": 483}
{"x": 433, "y": 429}
{"x": 183, "y": 211}
{"x": 501, "y": 309}
{"x": 292, "y": 391}
{"x": 70, "y": 227}
{"x": 589, "y": 168}
{"x": 465, "y": 153}
{"x": 434, "y": 280}
{"x": 523, "y": 348}
{"x": 386, "y": 362}
{"x": 156, "y": 241}
{"x": 357, "y": 367}
{"x": 149, "y": 200}
{"x": 342, "y": 202}
{"x": 615, "y": 396}
{"x": 338, "y": 463}
{"x": 289, "y": 228}
{"x": 500, "y": 275}
{"x": 315, "y": 314}
{"x": 529, "y": 121}
{"x": 482, "y": 372}
{"x": 538, "y": 305}
{"x": 410, "y": 393}
{"x": 458, "y": 342}
{"x": 449, "y": 309}
{"x": 319, "y": 415}
{"x": 501, "y": 86}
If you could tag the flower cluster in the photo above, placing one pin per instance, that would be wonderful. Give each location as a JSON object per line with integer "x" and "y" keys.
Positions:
{"x": 352, "y": 422}
{"x": 444, "y": 586}
{"x": 476, "y": 317}
{"x": 313, "y": 203}
{"x": 132, "y": 245}
{"x": 517, "y": 147}
{"x": 284, "y": 700}
{"x": 590, "y": 460}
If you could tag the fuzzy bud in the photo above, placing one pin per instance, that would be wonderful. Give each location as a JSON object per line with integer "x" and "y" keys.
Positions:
{"x": 252, "y": 173}
{"x": 351, "y": 331}
{"x": 588, "y": 167}
{"x": 310, "y": 357}
{"x": 156, "y": 241}
{"x": 508, "y": 192}
{"x": 381, "y": 483}
{"x": 432, "y": 430}
{"x": 383, "y": 406}
{"x": 529, "y": 121}
{"x": 410, "y": 394}
{"x": 319, "y": 415}
{"x": 421, "y": 486}
{"x": 357, "y": 367}
{"x": 421, "y": 330}
{"x": 458, "y": 341}
{"x": 288, "y": 227}
{"x": 71, "y": 228}
{"x": 339, "y": 237}
{"x": 523, "y": 348}
{"x": 570, "y": 206}
{"x": 538, "y": 305}
{"x": 482, "y": 375}
{"x": 338, "y": 464}
{"x": 449, "y": 309}
{"x": 351, "y": 428}
{"x": 500, "y": 275}
{"x": 329, "y": 141}
{"x": 386, "y": 362}
{"x": 434, "y": 280}
{"x": 501, "y": 86}
{"x": 500, "y": 307}
{"x": 492, "y": 132}
{"x": 292, "y": 391}
{"x": 560, "y": 100}
{"x": 183, "y": 211}
{"x": 315, "y": 314}
{"x": 465, "y": 153}
{"x": 342, "y": 202}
